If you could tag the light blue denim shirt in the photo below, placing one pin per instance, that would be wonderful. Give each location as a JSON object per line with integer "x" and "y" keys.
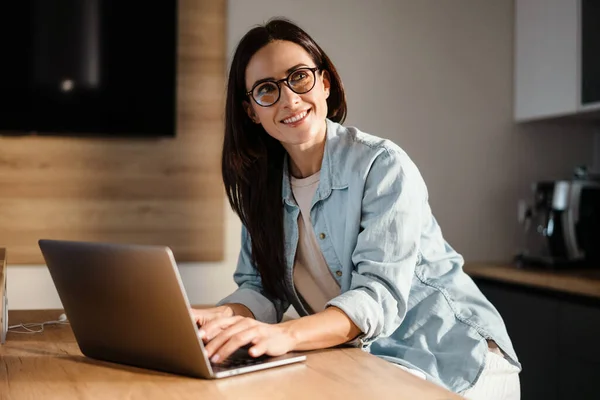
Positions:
{"x": 401, "y": 283}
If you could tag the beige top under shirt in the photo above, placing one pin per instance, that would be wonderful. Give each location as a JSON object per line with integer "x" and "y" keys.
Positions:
{"x": 312, "y": 277}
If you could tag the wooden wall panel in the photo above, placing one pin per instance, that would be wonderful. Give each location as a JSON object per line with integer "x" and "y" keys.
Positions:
{"x": 148, "y": 191}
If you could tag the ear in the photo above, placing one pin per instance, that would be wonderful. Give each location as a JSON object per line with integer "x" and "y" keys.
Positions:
{"x": 250, "y": 111}
{"x": 326, "y": 83}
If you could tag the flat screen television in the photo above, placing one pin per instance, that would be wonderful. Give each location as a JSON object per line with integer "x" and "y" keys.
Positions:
{"x": 88, "y": 67}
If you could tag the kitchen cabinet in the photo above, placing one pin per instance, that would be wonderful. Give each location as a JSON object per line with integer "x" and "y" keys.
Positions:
{"x": 557, "y": 58}
{"x": 555, "y": 336}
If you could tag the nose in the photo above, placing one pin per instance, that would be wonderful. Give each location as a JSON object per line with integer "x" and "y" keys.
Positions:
{"x": 288, "y": 97}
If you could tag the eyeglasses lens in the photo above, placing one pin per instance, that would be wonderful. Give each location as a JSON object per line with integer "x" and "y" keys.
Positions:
{"x": 300, "y": 81}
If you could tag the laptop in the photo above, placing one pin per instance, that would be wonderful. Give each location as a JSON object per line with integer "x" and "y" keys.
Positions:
{"x": 127, "y": 304}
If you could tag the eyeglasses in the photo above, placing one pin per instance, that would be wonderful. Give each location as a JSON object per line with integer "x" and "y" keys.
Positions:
{"x": 300, "y": 81}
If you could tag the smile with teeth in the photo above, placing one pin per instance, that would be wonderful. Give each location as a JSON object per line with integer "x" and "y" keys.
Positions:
{"x": 296, "y": 118}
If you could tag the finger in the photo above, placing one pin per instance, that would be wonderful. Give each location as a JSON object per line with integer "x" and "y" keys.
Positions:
{"x": 203, "y": 316}
{"x": 235, "y": 342}
{"x": 197, "y": 316}
{"x": 225, "y": 335}
{"x": 212, "y": 328}
{"x": 259, "y": 347}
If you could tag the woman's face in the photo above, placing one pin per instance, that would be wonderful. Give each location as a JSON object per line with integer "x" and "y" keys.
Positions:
{"x": 296, "y": 120}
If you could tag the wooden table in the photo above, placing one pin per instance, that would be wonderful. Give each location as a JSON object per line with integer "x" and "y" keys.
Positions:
{"x": 49, "y": 365}
{"x": 581, "y": 282}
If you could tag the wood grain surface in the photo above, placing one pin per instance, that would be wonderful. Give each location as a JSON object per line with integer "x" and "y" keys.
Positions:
{"x": 50, "y": 366}
{"x": 573, "y": 281}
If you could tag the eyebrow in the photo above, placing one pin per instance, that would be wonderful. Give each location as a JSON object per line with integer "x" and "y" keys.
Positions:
{"x": 289, "y": 71}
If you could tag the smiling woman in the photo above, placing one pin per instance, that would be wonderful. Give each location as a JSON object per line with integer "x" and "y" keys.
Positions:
{"x": 337, "y": 223}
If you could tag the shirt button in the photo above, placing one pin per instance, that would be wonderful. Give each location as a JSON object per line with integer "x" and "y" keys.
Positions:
{"x": 339, "y": 273}
{"x": 322, "y": 235}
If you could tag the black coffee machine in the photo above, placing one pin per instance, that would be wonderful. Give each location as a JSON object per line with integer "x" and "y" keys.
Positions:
{"x": 562, "y": 225}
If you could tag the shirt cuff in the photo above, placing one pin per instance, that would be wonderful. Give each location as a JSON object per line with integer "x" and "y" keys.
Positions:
{"x": 364, "y": 311}
{"x": 261, "y": 307}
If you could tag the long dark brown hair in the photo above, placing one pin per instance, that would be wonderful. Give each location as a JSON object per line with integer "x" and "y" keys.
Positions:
{"x": 252, "y": 161}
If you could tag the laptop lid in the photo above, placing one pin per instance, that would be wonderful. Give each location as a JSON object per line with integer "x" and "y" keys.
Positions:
{"x": 126, "y": 304}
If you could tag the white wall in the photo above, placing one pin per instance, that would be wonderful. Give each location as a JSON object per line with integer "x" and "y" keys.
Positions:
{"x": 436, "y": 77}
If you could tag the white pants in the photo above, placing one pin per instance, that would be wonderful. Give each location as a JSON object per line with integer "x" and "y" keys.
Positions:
{"x": 498, "y": 381}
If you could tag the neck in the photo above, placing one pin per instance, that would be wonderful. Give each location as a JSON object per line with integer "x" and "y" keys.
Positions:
{"x": 306, "y": 159}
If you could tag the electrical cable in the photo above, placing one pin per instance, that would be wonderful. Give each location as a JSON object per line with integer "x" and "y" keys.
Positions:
{"x": 27, "y": 328}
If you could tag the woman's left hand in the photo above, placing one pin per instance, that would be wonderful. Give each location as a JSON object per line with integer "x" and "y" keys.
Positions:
{"x": 223, "y": 336}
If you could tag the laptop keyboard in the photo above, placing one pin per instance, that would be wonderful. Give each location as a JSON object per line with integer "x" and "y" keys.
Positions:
{"x": 240, "y": 358}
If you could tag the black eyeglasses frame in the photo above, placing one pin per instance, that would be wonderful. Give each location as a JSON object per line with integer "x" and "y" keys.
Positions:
{"x": 287, "y": 83}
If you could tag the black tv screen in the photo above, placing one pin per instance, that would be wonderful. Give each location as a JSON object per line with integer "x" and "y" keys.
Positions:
{"x": 88, "y": 67}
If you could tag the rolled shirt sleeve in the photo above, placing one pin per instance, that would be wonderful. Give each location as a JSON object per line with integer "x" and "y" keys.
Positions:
{"x": 387, "y": 248}
{"x": 250, "y": 292}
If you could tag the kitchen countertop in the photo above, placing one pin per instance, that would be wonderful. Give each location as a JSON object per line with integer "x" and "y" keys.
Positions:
{"x": 582, "y": 282}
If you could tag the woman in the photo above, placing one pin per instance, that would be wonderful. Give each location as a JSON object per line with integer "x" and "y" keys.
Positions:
{"x": 336, "y": 222}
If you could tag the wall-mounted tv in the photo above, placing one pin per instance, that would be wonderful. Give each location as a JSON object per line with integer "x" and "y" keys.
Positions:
{"x": 88, "y": 67}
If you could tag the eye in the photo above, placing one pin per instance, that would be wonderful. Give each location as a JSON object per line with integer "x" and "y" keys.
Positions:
{"x": 299, "y": 76}
{"x": 265, "y": 89}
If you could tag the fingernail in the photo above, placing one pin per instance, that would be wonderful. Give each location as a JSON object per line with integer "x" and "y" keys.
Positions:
{"x": 215, "y": 358}
{"x": 201, "y": 334}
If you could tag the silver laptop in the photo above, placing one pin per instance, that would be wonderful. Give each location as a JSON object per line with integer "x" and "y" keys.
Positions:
{"x": 127, "y": 305}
